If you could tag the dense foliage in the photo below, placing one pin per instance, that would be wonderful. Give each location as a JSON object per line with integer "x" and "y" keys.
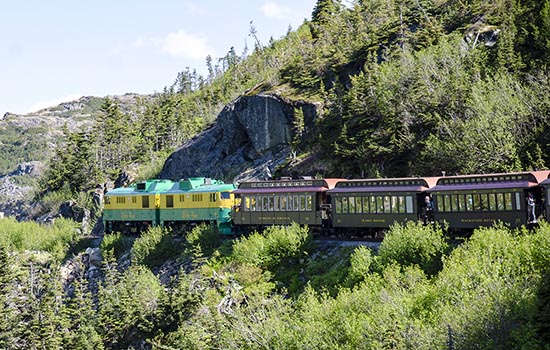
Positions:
{"x": 490, "y": 292}
{"x": 408, "y": 88}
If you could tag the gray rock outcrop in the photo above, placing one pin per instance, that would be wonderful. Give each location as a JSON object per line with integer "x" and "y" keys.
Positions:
{"x": 250, "y": 139}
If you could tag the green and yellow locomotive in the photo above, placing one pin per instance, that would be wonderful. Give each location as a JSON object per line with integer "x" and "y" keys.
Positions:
{"x": 180, "y": 204}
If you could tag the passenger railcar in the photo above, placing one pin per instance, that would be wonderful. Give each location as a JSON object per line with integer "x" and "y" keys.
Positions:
{"x": 371, "y": 204}
{"x": 470, "y": 201}
{"x": 281, "y": 202}
{"x": 177, "y": 204}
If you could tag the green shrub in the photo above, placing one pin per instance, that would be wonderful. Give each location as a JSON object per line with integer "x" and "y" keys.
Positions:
{"x": 205, "y": 238}
{"x": 52, "y": 200}
{"x": 268, "y": 248}
{"x": 361, "y": 261}
{"x": 127, "y": 302}
{"x": 414, "y": 244}
{"x": 154, "y": 247}
{"x": 116, "y": 244}
{"x": 55, "y": 239}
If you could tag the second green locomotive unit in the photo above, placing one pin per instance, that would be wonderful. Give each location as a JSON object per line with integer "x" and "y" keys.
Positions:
{"x": 177, "y": 204}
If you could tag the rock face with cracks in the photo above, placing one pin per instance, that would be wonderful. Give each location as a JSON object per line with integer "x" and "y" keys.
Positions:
{"x": 251, "y": 137}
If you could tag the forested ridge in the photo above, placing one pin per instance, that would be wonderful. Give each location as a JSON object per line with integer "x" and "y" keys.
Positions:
{"x": 406, "y": 88}
{"x": 410, "y": 87}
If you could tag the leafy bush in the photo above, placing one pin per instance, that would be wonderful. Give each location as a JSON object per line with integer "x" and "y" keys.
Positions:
{"x": 204, "y": 238}
{"x": 154, "y": 246}
{"x": 361, "y": 261}
{"x": 268, "y": 248}
{"x": 126, "y": 303}
{"x": 116, "y": 244}
{"x": 414, "y": 244}
{"x": 488, "y": 288}
{"x": 55, "y": 239}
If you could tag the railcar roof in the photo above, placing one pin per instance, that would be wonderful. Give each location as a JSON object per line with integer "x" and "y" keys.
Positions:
{"x": 546, "y": 182}
{"x": 274, "y": 190}
{"x": 202, "y": 189}
{"x": 286, "y": 186}
{"x": 406, "y": 184}
{"x": 150, "y": 187}
{"x": 484, "y": 186}
{"x": 491, "y": 181}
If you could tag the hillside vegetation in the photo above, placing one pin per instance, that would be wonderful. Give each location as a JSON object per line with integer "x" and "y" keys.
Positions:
{"x": 275, "y": 290}
{"x": 407, "y": 88}
{"x": 410, "y": 87}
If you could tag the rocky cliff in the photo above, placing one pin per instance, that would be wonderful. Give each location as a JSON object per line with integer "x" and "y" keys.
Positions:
{"x": 251, "y": 138}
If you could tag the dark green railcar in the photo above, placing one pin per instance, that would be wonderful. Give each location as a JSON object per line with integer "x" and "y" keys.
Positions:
{"x": 470, "y": 201}
{"x": 282, "y": 202}
{"x": 369, "y": 205}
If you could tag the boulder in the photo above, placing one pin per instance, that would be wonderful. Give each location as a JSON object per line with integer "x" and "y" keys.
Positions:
{"x": 251, "y": 136}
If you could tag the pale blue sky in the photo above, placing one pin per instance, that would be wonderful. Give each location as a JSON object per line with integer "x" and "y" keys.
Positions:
{"x": 53, "y": 51}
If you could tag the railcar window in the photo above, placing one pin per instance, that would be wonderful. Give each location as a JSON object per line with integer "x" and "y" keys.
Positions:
{"x": 351, "y": 201}
{"x": 447, "y": 202}
{"x": 394, "y": 206}
{"x": 484, "y": 202}
{"x": 270, "y": 203}
{"x": 253, "y": 203}
{"x": 401, "y": 204}
{"x": 225, "y": 195}
{"x": 409, "y": 203}
{"x": 477, "y": 202}
{"x": 145, "y": 201}
{"x": 302, "y": 202}
{"x": 500, "y": 201}
{"x": 264, "y": 203}
{"x": 246, "y": 203}
{"x": 309, "y": 202}
{"x": 469, "y": 203}
{"x": 283, "y": 203}
{"x": 492, "y": 202}
{"x": 373, "y": 207}
{"x": 169, "y": 201}
{"x": 358, "y": 206}
{"x": 454, "y": 202}
{"x": 345, "y": 208}
{"x": 386, "y": 204}
{"x": 276, "y": 203}
{"x": 379, "y": 204}
{"x": 518, "y": 202}
{"x": 461, "y": 203}
{"x": 365, "y": 201}
{"x": 338, "y": 204}
{"x": 508, "y": 201}
{"x": 295, "y": 203}
{"x": 439, "y": 200}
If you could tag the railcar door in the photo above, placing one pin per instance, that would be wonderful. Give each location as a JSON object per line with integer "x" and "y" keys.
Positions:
{"x": 425, "y": 208}
{"x": 535, "y": 204}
